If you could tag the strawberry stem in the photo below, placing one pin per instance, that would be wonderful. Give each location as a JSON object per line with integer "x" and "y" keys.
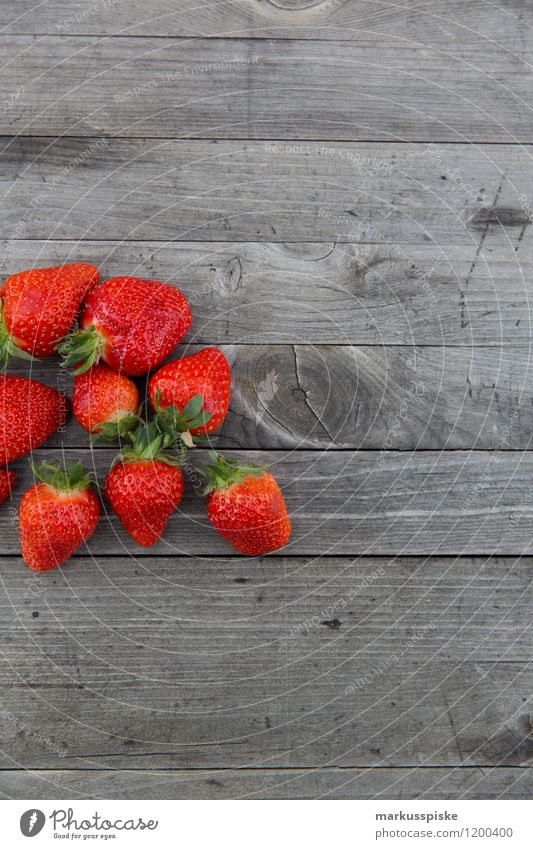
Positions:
{"x": 81, "y": 348}
{"x": 223, "y": 472}
{"x": 148, "y": 443}
{"x": 63, "y": 480}
{"x": 115, "y": 429}
{"x": 179, "y": 423}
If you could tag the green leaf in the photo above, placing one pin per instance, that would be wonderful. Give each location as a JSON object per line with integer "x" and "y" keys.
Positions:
{"x": 8, "y": 348}
{"x": 67, "y": 479}
{"x": 81, "y": 349}
{"x": 199, "y": 420}
{"x": 224, "y": 472}
{"x": 111, "y": 431}
{"x": 193, "y": 407}
{"x": 149, "y": 443}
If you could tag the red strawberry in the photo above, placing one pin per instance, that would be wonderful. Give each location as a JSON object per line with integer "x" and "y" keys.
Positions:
{"x": 131, "y": 324}
{"x": 56, "y": 516}
{"x": 145, "y": 486}
{"x": 7, "y": 481}
{"x": 29, "y": 413}
{"x": 246, "y": 506}
{"x": 40, "y": 306}
{"x": 177, "y": 384}
{"x": 105, "y": 402}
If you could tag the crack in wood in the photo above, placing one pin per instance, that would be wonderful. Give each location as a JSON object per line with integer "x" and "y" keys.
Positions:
{"x": 307, "y": 401}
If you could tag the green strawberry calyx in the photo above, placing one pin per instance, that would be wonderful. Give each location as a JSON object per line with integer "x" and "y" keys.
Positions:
{"x": 81, "y": 349}
{"x": 148, "y": 443}
{"x": 67, "y": 479}
{"x": 179, "y": 423}
{"x": 8, "y": 348}
{"x": 223, "y": 472}
{"x": 114, "y": 430}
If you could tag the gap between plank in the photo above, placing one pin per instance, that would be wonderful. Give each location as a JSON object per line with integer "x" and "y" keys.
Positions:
{"x": 305, "y": 139}
{"x": 308, "y": 768}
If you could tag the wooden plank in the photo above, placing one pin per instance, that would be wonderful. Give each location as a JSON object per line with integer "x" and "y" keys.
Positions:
{"x": 464, "y": 609}
{"x": 195, "y": 664}
{"x": 436, "y": 22}
{"x": 345, "y": 502}
{"x": 192, "y": 190}
{"x": 476, "y": 783}
{"x": 325, "y": 294}
{"x": 320, "y": 396}
{"x": 376, "y": 87}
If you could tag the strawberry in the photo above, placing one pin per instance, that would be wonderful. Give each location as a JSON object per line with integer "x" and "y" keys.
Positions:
{"x": 56, "y": 516}
{"x": 145, "y": 485}
{"x": 181, "y": 383}
{"x": 29, "y": 413}
{"x": 129, "y": 323}
{"x": 40, "y": 306}
{"x": 7, "y": 481}
{"x": 105, "y": 402}
{"x": 246, "y": 507}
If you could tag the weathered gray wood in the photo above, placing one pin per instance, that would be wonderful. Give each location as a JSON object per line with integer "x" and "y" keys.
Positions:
{"x": 464, "y": 609}
{"x": 296, "y": 714}
{"x": 444, "y": 783}
{"x": 325, "y": 294}
{"x": 179, "y": 663}
{"x": 345, "y": 502}
{"x": 398, "y": 194}
{"x": 369, "y": 88}
{"x": 375, "y": 250}
{"x": 319, "y": 396}
{"x": 439, "y": 23}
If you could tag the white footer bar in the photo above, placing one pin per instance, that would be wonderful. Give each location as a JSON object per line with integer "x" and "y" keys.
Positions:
{"x": 267, "y": 824}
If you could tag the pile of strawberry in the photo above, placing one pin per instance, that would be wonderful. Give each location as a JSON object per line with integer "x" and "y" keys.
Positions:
{"x": 109, "y": 332}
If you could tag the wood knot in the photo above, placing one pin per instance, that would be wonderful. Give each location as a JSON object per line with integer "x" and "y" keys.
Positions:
{"x": 299, "y": 5}
{"x": 334, "y": 624}
{"x": 229, "y": 278}
{"x": 506, "y": 216}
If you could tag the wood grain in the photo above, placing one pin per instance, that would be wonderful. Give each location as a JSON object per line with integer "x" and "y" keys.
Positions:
{"x": 327, "y": 293}
{"x": 321, "y": 397}
{"x": 193, "y": 190}
{"x": 427, "y": 783}
{"x": 342, "y": 189}
{"x": 345, "y": 502}
{"x": 441, "y": 23}
{"x": 373, "y": 88}
{"x": 314, "y": 602}
{"x": 198, "y": 663}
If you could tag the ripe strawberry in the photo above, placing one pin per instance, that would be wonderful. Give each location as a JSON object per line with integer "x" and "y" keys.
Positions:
{"x": 105, "y": 402}
{"x": 246, "y": 506}
{"x": 29, "y": 413}
{"x": 131, "y": 324}
{"x": 40, "y": 306}
{"x": 7, "y": 481}
{"x": 181, "y": 383}
{"x": 56, "y": 516}
{"x": 145, "y": 485}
